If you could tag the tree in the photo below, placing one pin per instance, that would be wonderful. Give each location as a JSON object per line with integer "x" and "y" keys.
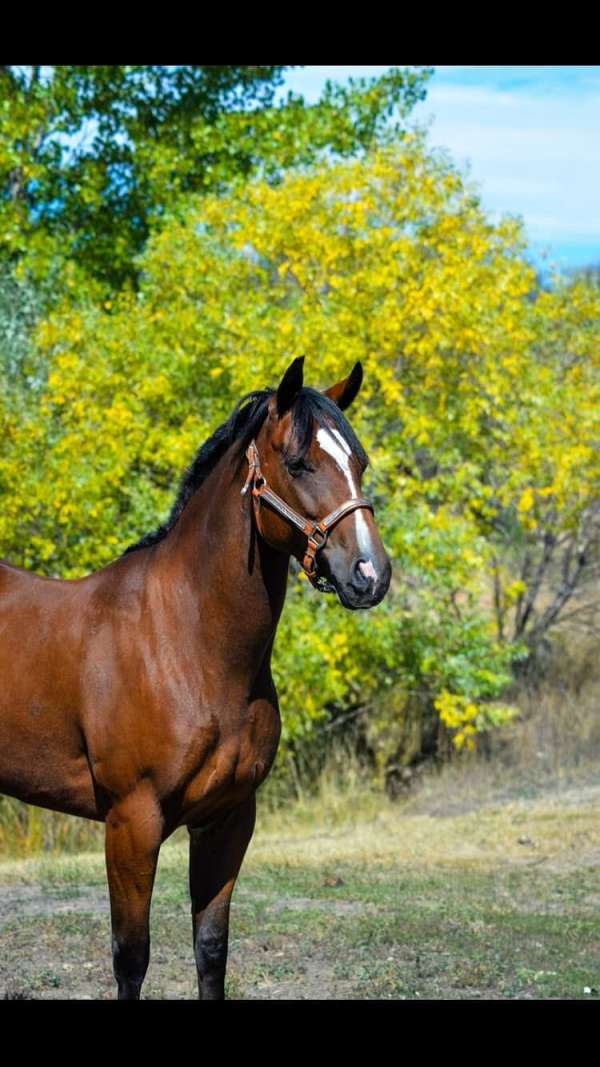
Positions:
{"x": 20, "y": 307}
{"x": 91, "y": 157}
{"x": 545, "y": 528}
{"x": 480, "y": 412}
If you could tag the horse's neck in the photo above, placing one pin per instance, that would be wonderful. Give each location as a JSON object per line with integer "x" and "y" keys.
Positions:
{"x": 235, "y": 579}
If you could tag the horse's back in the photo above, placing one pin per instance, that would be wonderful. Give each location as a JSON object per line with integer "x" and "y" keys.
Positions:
{"x": 21, "y": 583}
{"x": 37, "y": 614}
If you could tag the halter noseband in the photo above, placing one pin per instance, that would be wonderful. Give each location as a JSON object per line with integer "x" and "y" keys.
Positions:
{"x": 316, "y": 532}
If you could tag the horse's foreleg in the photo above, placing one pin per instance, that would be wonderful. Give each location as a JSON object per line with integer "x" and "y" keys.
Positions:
{"x": 216, "y": 855}
{"x": 133, "y": 837}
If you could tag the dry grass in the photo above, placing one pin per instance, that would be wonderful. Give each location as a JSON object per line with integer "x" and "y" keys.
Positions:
{"x": 558, "y": 828}
{"x": 553, "y": 747}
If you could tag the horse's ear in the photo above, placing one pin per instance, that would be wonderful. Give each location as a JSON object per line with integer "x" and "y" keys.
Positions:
{"x": 290, "y": 386}
{"x": 345, "y": 391}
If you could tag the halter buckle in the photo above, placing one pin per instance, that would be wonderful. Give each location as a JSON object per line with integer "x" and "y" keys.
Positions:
{"x": 253, "y": 467}
{"x": 319, "y": 540}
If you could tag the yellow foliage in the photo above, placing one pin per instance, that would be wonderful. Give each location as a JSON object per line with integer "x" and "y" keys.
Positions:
{"x": 477, "y": 401}
{"x": 458, "y": 713}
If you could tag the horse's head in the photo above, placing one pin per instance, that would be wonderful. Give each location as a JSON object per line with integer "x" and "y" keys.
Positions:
{"x": 307, "y": 458}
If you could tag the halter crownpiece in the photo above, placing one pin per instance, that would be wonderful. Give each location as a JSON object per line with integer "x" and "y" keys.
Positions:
{"x": 316, "y": 532}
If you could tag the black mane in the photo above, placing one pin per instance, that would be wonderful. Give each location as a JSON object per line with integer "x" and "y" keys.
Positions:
{"x": 242, "y": 426}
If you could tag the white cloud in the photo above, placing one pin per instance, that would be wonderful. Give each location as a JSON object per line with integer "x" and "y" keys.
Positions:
{"x": 558, "y": 226}
{"x": 532, "y": 154}
{"x": 530, "y": 134}
{"x": 310, "y": 81}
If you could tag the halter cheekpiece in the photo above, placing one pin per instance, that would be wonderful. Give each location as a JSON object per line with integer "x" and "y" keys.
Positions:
{"x": 316, "y": 532}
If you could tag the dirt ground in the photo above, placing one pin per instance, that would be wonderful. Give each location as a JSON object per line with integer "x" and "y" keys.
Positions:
{"x": 497, "y": 902}
{"x": 59, "y": 949}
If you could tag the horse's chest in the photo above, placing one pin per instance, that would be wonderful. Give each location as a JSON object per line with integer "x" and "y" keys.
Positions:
{"x": 238, "y": 764}
{"x": 259, "y": 737}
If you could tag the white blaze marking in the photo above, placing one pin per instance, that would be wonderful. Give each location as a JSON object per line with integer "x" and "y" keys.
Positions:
{"x": 332, "y": 442}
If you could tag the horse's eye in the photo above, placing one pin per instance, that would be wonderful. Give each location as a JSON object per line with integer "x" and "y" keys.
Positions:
{"x": 297, "y": 467}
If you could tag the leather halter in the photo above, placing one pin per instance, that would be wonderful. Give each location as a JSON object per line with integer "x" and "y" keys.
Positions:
{"x": 316, "y": 532}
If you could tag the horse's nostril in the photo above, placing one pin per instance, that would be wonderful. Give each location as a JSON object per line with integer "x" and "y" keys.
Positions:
{"x": 367, "y": 569}
{"x": 363, "y": 574}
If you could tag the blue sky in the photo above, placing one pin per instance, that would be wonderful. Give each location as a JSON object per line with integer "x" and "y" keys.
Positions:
{"x": 530, "y": 137}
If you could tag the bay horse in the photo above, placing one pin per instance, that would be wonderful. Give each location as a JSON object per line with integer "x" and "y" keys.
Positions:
{"x": 141, "y": 695}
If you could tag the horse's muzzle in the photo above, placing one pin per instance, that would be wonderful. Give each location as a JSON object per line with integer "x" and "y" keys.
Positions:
{"x": 364, "y": 587}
